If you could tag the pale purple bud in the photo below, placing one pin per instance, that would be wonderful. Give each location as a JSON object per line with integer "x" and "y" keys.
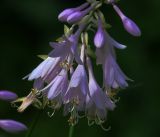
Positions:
{"x": 64, "y": 14}
{"x": 128, "y": 24}
{"x": 78, "y": 15}
{"x": 12, "y": 126}
{"x": 7, "y": 95}
{"x": 99, "y": 39}
{"x": 67, "y": 12}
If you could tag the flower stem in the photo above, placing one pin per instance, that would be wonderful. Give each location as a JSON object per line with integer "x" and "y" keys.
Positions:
{"x": 71, "y": 131}
{"x": 33, "y": 124}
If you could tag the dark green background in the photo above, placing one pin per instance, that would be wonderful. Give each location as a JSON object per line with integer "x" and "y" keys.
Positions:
{"x": 27, "y": 26}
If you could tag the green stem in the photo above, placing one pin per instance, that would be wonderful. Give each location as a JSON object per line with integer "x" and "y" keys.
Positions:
{"x": 71, "y": 131}
{"x": 33, "y": 124}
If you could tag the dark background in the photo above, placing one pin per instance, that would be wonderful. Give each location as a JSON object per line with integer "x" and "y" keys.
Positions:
{"x": 27, "y": 26}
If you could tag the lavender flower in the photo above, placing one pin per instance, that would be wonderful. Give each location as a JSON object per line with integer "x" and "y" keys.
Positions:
{"x": 108, "y": 48}
{"x": 67, "y": 48}
{"x": 78, "y": 88}
{"x": 59, "y": 85}
{"x": 113, "y": 76}
{"x": 97, "y": 102}
{"x": 12, "y": 126}
{"x": 128, "y": 24}
{"x": 7, "y": 95}
{"x": 47, "y": 70}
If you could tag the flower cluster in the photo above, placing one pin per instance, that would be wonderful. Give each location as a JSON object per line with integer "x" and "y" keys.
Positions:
{"x": 8, "y": 125}
{"x": 66, "y": 76}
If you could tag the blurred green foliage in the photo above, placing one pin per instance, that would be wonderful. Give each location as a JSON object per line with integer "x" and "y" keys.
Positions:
{"x": 27, "y": 26}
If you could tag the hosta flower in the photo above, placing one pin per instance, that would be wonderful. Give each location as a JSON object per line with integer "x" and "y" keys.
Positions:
{"x": 128, "y": 24}
{"x": 97, "y": 102}
{"x": 31, "y": 98}
{"x": 12, "y": 126}
{"x": 108, "y": 48}
{"x": 47, "y": 70}
{"x": 7, "y": 95}
{"x": 78, "y": 87}
{"x": 66, "y": 49}
{"x": 59, "y": 86}
{"x": 113, "y": 76}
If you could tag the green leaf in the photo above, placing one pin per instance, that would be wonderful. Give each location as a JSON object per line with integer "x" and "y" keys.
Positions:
{"x": 90, "y": 52}
{"x": 66, "y": 30}
{"x": 60, "y": 39}
{"x": 44, "y": 57}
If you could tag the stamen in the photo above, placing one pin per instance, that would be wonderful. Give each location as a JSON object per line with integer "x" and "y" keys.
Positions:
{"x": 13, "y": 105}
{"x": 51, "y": 114}
{"x": 66, "y": 65}
{"x": 105, "y": 129}
{"x": 48, "y": 86}
{"x": 79, "y": 116}
{"x": 90, "y": 123}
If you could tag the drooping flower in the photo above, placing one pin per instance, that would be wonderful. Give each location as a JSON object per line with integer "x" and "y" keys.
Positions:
{"x": 78, "y": 87}
{"x": 47, "y": 70}
{"x": 7, "y": 95}
{"x": 77, "y": 91}
{"x": 59, "y": 85}
{"x": 108, "y": 48}
{"x": 67, "y": 48}
{"x": 128, "y": 24}
{"x": 113, "y": 75}
{"x": 97, "y": 101}
{"x": 31, "y": 98}
{"x": 12, "y": 126}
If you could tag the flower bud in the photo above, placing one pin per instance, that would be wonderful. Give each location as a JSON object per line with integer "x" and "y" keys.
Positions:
{"x": 64, "y": 14}
{"x": 67, "y": 12}
{"x": 78, "y": 15}
{"x": 12, "y": 126}
{"x": 7, "y": 96}
{"x": 99, "y": 39}
{"x": 128, "y": 24}
{"x": 75, "y": 17}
